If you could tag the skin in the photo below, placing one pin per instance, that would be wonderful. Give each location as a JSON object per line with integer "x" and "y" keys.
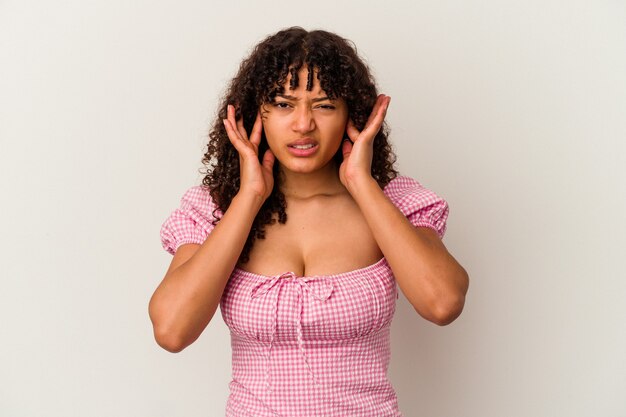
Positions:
{"x": 301, "y": 114}
{"x": 363, "y": 227}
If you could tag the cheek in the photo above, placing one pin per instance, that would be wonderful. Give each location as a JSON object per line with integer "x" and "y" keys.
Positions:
{"x": 271, "y": 142}
{"x": 270, "y": 129}
{"x": 338, "y": 128}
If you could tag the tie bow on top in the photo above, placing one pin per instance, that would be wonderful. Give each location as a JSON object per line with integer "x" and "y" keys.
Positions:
{"x": 320, "y": 288}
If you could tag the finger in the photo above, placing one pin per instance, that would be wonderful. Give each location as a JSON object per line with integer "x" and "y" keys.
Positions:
{"x": 386, "y": 105}
{"x": 352, "y": 131}
{"x": 346, "y": 149}
{"x": 381, "y": 105}
{"x": 241, "y": 129}
{"x": 232, "y": 135}
{"x": 268, "y": 160}
{"x": 372, "y": 128}
{"x": 375, "y": 109}
{"x": 381, "y": 111}
{"x": 243, "y": 149}
{"x": 233, "y": 122}
{"x": 255, "y": 135}
{"x": 228, "y": 122}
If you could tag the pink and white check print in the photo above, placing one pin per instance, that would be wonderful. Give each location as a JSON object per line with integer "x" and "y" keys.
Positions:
{"x": 313, "y": 345}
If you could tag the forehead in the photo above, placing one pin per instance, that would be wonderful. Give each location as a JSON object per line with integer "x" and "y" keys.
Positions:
{"x": 303, "y": 80}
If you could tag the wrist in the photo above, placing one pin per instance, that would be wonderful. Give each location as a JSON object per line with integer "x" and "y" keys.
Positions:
{"x": 359, "y": 185}
{"x": 249, "y": 199}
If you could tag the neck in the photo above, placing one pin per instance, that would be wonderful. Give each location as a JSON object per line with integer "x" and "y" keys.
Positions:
{"x": 306, "y": 185}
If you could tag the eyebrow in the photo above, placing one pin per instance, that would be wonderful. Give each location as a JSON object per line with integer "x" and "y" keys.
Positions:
{"x": 288, "y": 97}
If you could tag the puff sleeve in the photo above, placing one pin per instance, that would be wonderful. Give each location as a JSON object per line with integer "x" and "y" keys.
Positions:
{"x": 420, "y": 205}
{"x": 191, "y": 222}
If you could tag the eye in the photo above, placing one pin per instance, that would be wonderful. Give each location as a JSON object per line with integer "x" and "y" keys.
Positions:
{"x": 326, "y": 107}
{"x": 281, "y": 105}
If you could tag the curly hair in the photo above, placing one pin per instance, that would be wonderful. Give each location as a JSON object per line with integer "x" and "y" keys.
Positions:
{"x": 261, "y": 76}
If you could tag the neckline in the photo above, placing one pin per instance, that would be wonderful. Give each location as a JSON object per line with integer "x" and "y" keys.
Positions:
{"x": 381, "y": 262}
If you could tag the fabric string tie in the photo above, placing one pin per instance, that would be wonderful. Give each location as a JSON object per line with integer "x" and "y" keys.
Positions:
{"x": 319, "y": 287}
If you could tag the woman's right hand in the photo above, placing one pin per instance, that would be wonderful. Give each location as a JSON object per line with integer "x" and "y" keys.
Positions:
{"x": 255, "y": 178}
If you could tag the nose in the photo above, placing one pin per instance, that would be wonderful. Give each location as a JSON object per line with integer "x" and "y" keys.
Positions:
{"x": 303, "y": 120}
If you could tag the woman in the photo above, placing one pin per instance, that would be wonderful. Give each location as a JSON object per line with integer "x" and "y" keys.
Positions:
{"x": 300, "y": 232}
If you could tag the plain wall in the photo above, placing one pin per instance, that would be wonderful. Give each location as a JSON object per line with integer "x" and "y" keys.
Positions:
{"x": 512, "y": 111}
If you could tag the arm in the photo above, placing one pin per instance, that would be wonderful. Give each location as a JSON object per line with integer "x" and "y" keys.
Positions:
{"x": 431, "y": 279}
{"x": 187, "y": 298}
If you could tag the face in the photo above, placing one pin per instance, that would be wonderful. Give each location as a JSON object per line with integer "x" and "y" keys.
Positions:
{"x": 304, "y": 129}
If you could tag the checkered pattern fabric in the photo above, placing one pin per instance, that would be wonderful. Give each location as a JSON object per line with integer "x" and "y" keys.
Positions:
{"x": 312, "y": 345}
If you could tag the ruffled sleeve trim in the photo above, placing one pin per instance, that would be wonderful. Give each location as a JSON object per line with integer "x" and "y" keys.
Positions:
{"x": 191, "y": 222}
{"x": 421, "y": 206}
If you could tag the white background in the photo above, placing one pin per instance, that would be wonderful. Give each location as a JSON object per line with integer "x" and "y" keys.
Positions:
{"x": 515, "y": 112}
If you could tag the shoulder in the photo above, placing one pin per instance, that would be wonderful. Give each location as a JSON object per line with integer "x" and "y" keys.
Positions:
{"x": 403, "y": 189}
{"x": 198, "y": 196}
{"x": 400, "y": 185}
{"x": 191, "y": 221}
{"x": 422, "y": 206}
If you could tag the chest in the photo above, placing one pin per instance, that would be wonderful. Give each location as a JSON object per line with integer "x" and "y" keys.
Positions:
{"x": 319, "y": 238}
{"x": 319, "y": 309}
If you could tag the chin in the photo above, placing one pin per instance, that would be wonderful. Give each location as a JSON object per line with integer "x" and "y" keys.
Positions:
{"x": 304, "y": 166}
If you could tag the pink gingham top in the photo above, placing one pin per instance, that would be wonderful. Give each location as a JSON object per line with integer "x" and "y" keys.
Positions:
{"x": 309, "y": 345}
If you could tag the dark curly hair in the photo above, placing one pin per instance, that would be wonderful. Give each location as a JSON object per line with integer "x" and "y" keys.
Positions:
{"x": 261, "y": 76}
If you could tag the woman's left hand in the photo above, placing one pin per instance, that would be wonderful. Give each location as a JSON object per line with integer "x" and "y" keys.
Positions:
{"x": 357, "y": 156}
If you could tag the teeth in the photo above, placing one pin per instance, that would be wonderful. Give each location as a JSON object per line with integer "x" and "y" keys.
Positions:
{"x": 309, "y": 146}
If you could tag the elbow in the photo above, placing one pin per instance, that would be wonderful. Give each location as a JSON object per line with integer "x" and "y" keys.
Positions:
{"x": 450, "y": 308}
{"x": 168, "y": 341}
{"x": 444, "y": 309}
{"x": 164, "y": 336}
{"x": 445, "y": 304}
{"x": 445, "y": 312}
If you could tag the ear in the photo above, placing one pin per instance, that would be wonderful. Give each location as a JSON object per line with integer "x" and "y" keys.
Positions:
{"x": 346, "y": 148}
{"x": 352, "y": 131}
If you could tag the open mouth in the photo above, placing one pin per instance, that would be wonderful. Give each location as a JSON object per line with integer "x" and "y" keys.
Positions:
{"x": 303, "y": 150}
{"x": 308, "y": 146}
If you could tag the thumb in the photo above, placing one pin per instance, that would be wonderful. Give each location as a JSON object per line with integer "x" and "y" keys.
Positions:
{"x": 268, "y": 159}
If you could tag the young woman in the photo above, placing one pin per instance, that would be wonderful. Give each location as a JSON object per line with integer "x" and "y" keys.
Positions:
{"x": 300, "y": 231}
